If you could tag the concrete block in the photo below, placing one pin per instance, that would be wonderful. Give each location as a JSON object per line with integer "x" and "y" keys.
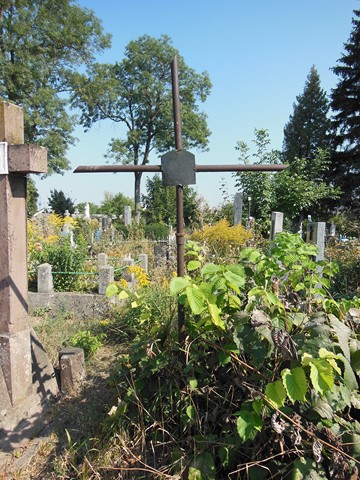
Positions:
{"x": 27, "y": 159}
{"x": 45, "y": 282}
{"x": 143, "y": 261}
{"x": 15, "y": 362}
{"x": 127, "y": 262}
{"x": 106, "y": 276}
{"x": 11, "y": 123}
{"x": 277, "y": 219}
{"x": 102, "y": 259}
{"x": 72, "y": 368}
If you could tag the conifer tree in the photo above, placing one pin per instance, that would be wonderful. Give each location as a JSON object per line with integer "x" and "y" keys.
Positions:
{"x": 308, "y": 127}
{"x": 345, "y": 103}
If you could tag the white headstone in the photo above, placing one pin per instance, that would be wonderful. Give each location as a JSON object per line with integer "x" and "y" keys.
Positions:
{"x": 87, "y": 211}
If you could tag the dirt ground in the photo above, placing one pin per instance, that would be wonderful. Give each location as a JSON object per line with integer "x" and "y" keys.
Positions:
{"x": 72, "y": 422}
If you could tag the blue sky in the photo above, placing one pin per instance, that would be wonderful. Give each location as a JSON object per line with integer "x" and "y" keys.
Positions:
{"x": 258, "y": 54}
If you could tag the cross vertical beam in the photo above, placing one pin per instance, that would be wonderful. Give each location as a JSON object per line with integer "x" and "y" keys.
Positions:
{"x": 15, "y": 357}
{"x": 180, "y": 240}
{"x": 16, "y": 373}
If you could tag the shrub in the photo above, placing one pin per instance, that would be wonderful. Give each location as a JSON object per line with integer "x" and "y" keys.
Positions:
{"x": 64, "y": 259}
{"x": 156, "y": 231}
{"x": 222, "y": 239}
{"x": 265, "y": 384}
{"x": 88, "y": 342}
{"x": 347, "y": 258}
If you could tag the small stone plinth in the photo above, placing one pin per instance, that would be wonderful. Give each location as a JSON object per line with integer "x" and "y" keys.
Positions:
{"x": 72, "y": 368}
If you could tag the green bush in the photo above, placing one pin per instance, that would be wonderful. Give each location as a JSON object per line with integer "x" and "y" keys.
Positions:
{"x": 265, "y": 384}
{"x": 156, "y": 231}
{"x": 88, "y": 342}
{"x": 347, "y": 257}
{"x": 64, "y": 259}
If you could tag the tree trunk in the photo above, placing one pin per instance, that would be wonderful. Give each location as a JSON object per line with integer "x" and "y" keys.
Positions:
{"x": 137, "y": 195}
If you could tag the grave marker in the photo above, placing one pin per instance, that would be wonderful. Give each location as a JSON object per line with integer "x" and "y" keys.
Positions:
{"x": 179, "y": 175}
{"x": 127, "y": 215}
{"x": 315, "y": 233}
{"x": 16, "y": 382}
{"x": 277, "y": 219}
{"x": 238, "y": 207}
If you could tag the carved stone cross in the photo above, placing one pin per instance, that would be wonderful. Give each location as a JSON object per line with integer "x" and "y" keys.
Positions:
{"x": 16, "y": 160}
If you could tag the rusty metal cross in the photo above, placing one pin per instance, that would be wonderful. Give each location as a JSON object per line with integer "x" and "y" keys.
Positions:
{"x": 178, "y": 168}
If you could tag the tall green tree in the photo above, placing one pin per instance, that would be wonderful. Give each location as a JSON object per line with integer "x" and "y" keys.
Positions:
{"x": 60, "y": 203}
{"x": 300, "y": 190}
{"x": 309, "y": 126}
{"x": 136, "y": 93}
{"x": 345, "y": 101}
{"x": 258, "y": 186}
{"x": 297, "y": 191}
{"x": 160, "y": 203}
{"x": 32, "y": 197}
{"x": 42, "y": 44}
{"x": 114, "y": 204}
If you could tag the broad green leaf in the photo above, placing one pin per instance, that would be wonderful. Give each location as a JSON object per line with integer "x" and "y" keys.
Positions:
{"x": 237, "y": 269}
{"x": 111, "y": 290}
{"x": 178, "y": 284}
{"x": 123, "y": 295}
{"x": 248, "y": 424}
{"x": 295, "y": 383}
{"x": 193, "y": 265}
{"x": 299, "y": 286}
{"x": 339, "y": 398}
{"x": 330, "y": 358}
{"x": 191, "y": 412}
{"x": 235, "y": 279}
{"x": 214, "y": 312}
{"x": 256, "y": 292}
{"x": 195, "y": 298}
{"x": 248, "y": 253}
{"x": 257, "y": 406}
{"x": 276, "y": 393}
{"x": 193, "y": 383}
{"x": 321, "y": 406}
{"x": 355, "y": 361}
{"x": 321, "y": 375}
{"x": 224, "y": 358}
{"x": 306, "y": 469}
{"x": 306, "y": 359}
{"x": 210, "y": 268}
{"x": 349, "y": 375}
{"x": 234, "y": 301}
{"x": 134, "y": 304}
{"x": 299, "y": 319}
{"x": 343, "y": 333}
{"x": 203, "y": 467}
{"x": 272, "y": 299}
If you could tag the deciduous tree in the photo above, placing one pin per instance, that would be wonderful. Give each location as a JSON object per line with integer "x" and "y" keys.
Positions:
{"x": 257, "y": 185}
{"x": 136, "y": 93}
{"x": 160, "y": 203}
{"x": 42, "y": 43}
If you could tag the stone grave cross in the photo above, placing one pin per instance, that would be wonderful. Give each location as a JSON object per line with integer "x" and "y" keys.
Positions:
{"x": 16, "y": 160}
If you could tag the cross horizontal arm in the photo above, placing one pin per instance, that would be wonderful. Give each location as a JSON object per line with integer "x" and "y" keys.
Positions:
{"x": 198, "y": 168}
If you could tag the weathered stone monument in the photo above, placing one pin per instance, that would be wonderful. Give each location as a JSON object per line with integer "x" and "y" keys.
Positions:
{"x": 127, "y": 215}
{"x": 315, "y": 233}
{"x": 238, "y": 207}
{"x": 277, "y": 219}
{"x": 26, "y": 381}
